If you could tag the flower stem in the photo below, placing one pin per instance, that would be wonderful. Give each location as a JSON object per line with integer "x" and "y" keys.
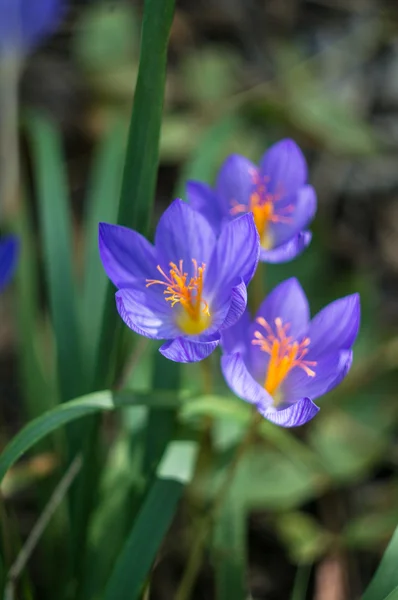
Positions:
{"x": 195, "y": 558}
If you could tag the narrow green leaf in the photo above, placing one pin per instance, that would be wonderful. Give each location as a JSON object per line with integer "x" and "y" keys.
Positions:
{"x": 385, "y": 579}
{"x": 141, "y": 163}
{"x": 301, "y": 582}
{"x": 37, "y": 429}
{"x": 56, "y": 232}
{"x": 103, "y": 204}
{"x": 154, "y": 519}
{"x": 230, "y": 550}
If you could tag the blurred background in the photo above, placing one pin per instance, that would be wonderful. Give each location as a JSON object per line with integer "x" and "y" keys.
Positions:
{"x": 243, "y": 74}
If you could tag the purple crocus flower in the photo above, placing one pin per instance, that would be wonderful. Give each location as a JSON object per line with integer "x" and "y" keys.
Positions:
{"x": 282, "y": 361}
{"x": 188, "y": 287}
{"x": 276, "y": 192}
{"x": 24, "y": 23}
{"x": 9, "y": 248}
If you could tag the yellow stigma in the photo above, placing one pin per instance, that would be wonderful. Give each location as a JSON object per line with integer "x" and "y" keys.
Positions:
{"x": 195, "y": 314}
{"x": 285, "y": 354}
{"x": 263, "y": 206}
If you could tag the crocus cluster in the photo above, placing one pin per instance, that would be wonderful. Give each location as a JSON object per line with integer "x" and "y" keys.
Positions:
{"x": 190, "y": 288}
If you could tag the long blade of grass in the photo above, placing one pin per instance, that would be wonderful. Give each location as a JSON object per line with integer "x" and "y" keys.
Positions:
{"x": 385, "y": 579}
{"x": 37, "y": 429}
{"x": 300, "y": 586}
{"x": 135, "y": 561}
{"x": 56, "y": 233}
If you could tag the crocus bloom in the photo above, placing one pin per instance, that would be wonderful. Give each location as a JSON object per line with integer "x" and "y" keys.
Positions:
{"x": 8, "y": 259}
{"x": 276, "y": 193}
{"x": 187, "y": 288}
{"x": 282, "y": 361}
{"x": 23, "y": 23}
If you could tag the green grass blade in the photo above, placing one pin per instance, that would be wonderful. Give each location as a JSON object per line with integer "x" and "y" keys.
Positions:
{"x": 37, "y": 429}
{"x": 152, "y": 523}
{"x": 230, "y": 551}
{"x": 301, "y": 582}
{"x": 103, "y": 205}
{"x": 385, "y": 579}
{"x": 141, "y": 163}
{"x": 56, "y": 232}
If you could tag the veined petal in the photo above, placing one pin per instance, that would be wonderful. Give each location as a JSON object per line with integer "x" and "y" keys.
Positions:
{"x": 146, "y": 314}
{"x": 335, "y": 327}
{"x": 236, "y": 307}
{"x": 184, "y": 350}
{"x": 288, "y": 302}
{"x": 285, "y": 167}
{"x": 241, "y": 382}
{"x": 235, "y": 183}
{"x": 330, "y": 370}
{"x": 9, "y": 250}
{"x": 235, "y": 256}
{"x": 287, "y": 251}
{"x": 303, "y": 208}
{"x": 127, "y": 256}
{"x": 183, "y": 234}
{"x": 204, "y": 199}
{"x": 296, "y": 414}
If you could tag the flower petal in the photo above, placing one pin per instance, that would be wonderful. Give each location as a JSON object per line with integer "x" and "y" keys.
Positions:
{"x": 184, "y": 350}
{"x": 146, "y": 314}
{"x": 235, "y": 183}
{"x": 294, "y": 415}
{"x": 330, "y": 370}
{"x": 237, "y": 306}
{"x": 204, "y": 199}
{"x": 235, "y": 256}
{"x": 183, "y": 234}
{"x": 127, "y": 256}
{"x": 24, "y": 23}
{"x": 285, "y": 167}
{"x": 9, "y": 250}
{"x": 303, "y": 208}
{"x": 236, "y": 338}
{"x": 288, "y": 302}
{"x": 287, "y": 251}
{"x": 241, "y": 382}
{"x": 335, "y": 327}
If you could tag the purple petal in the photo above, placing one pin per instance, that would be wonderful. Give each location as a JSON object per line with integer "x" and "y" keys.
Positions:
{"x": 287, "y": 251}
{"x": 237, "y": 306}
{"x": 241, "y": 382}
{"x": 330, "y": 370}
{"x": 294, "y": 415}
{"x": 303, "y": 204}
{"x": 146, "y": 314}
{"x": 236, "y": 338}
{"x": 184, "y": 350}
{"x": 204, "y": 199}
{"x": 127, "y": 256}
{"x": 24, "y": 23}
{"x": 235, "y": 256}
{"x": 9, "y": 250}
{"x": 288, "y": 302}
{"x": 335, "y": 327}
{"x": 285, "y": 167}
{"x": 235, "y": 183}
{"x": 183, "y": 234}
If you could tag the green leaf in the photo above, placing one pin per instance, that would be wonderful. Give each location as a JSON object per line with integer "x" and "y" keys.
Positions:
{"x": 56, "y": 233}
{"x": 102, "y": 203}
{"x": 141, "y": 163}
{"x": 301, "y": 583}
{"x": 230, "y": 550}
{"x": 385, "y": 581}
{"x": 304, "y": 536}
{"x": 70, "y": 411}
{"x": 174, "y": 472}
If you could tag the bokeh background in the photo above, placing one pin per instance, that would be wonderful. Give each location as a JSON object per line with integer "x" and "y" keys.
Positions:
{"x": 242, "y": 74}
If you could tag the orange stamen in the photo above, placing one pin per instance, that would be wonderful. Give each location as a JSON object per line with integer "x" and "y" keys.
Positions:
{"x": 263, "y": 206}
{"x": 184, "y": 291}
{"x": 285, "y": 353}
